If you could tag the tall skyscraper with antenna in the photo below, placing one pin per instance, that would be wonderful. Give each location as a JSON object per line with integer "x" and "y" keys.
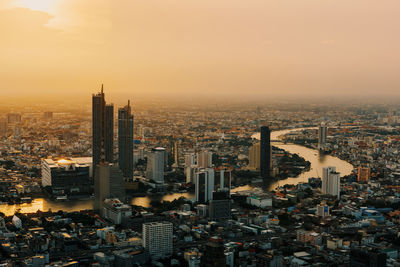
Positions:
{"x": 125, "y": 141}
{"x": 102, "y": 129}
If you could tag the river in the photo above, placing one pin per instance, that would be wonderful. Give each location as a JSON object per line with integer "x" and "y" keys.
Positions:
{"x": 318, "y": 161}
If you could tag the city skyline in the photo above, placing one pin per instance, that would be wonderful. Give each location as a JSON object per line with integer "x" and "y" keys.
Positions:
{"x": 258, "y": 50}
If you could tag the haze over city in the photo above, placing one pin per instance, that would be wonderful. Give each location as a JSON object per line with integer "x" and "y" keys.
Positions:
{"x": 229, "y": 49}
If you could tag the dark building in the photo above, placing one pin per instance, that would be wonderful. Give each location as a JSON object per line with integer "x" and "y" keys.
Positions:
{"x": 66, "y": 176}
{"x": 265, "y": 152}
{"x": 102, "y": 129}
{"x": 125, "y": 141}
{"x": 367, "y": 257}
{"x": 108, "y": 183}
{"x": 220, "y": 206}
{"x": 214, "y": 253}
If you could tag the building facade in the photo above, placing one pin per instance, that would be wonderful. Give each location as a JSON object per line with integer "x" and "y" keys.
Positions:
{"x": 265, "y": 152}
{"x": 125, "y": 141}
{"x": 67, "y": 175}
{"x": 330, "y": 182}
{"x": 204, "y": 185}
{"x": 158, "y": 239}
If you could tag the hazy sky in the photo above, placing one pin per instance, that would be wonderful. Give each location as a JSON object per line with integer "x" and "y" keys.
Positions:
{"x": 216, "y": 48}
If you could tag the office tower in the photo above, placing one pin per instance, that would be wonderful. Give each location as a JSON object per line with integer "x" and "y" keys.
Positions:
{"x": 214, "y": 253}
{"x": 158, "y": 239}
{"x": 3, "y": 128}
{"x": 330, "y": 181}
{"x": 225, "y": 180}
{"x": 220, "y": 206}
{"x": 102, "y": 129}
{"x": 204, "y": 159}
{"x": 155, "y": 165}
{"x": 48, "y": 115}
{"x": 254, "y": 157}
{"x": 125, "y": 141}
{"x": 67, "y": 175}
{"x": 13, "y": 118}
{"x": 204, "y": 186}
{"x": 322, "y": 132}
{"x": 363, "y": 174}
{"x": 265, "y": 152}
{"x": 322, "y": 210}
{"x": 108, "y": 183}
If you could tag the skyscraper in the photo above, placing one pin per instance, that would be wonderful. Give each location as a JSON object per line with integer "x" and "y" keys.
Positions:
{"x": 330, "y": 181}
{"x": 108, "y": 183}
{"x": 125, "y": 141}
{"x": 102, "y": 129}
{"x": 254, "y": 157}
{"x": 155, "y": 164}
{"x": 265, "y": 152}
{"x": 204, "y": 185}
{"x": 322, "y": 133}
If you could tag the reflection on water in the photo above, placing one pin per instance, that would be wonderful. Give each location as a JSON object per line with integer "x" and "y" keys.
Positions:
{"x": 46, "y": 204}
{"x": 318, "y": 161}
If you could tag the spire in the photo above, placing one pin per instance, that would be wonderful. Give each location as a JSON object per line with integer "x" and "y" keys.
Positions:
{"x": 129, "y": 102}
{"x": 101, "y": 88}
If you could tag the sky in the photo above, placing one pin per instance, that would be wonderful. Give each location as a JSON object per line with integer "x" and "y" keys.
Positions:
{"x": 189, "y": 49}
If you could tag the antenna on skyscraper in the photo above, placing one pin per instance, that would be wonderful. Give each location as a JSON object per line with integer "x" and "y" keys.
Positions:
{"x": 102, "y": 88}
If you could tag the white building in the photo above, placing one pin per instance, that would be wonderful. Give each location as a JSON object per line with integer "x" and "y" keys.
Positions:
{"x": 204, "y": 185}
{"x": 330, "y": 181}
{"x": 158, "y": 239}
{"x": 155, "y": 165}
{"x": 115, "y": 211}
{"x": 258, "y": 201}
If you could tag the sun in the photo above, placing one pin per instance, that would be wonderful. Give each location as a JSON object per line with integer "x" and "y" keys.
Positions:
{"x": 40, "y": 5}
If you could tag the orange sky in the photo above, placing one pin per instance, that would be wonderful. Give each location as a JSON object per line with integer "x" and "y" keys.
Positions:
{"x": 225, "y": 48}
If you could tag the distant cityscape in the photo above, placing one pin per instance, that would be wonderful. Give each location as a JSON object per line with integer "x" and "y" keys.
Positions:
{"x": 246, "y": 185}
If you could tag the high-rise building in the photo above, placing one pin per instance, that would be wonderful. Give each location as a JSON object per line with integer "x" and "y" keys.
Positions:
{"x": 158, "y": 239}
{"x": 214, "y": 253}
{"x": 265, "y": 152}
{"x": 108, "y": 183}
{"x": 125, "y": 141}
{"x": 330, "y": 181}
{"x": 220, "y": 206}
{"x": 204, "y": 186}
{"x": 254, "y": 157}
{"x": 102, "y": 129}
{"x": 176, "y": 154}
{"x": 204, "y": 159}
{"x": 155, "y": 165}
{"x": 322, "y": 133}
{"x": 3, "y": 128}
{"x": 363, "y": 174}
